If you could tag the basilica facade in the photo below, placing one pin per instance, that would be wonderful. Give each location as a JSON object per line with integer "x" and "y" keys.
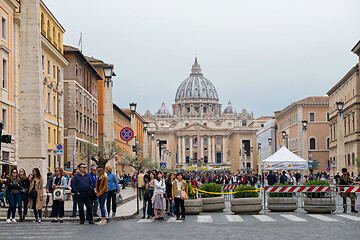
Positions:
{"x": 199, "y": 134}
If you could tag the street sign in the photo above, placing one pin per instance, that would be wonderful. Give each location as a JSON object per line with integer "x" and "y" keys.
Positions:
{"x": 59, "y": 152}
{"x": 333, "y": 165}
{"x": 328, "y": 168}
{"x": 245, "y": 169}
{"x": 126, "y": 134}
{"x": 116, "y": 161}
{"x": 163, "y": 165}
{"x": 136, "y": 141}
{"x": 59, "y": 149}
{"x": 310, "y": 164}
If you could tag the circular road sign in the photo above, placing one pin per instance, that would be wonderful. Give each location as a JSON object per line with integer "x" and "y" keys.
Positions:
{"x": 126, "y": 134}
{"x": 59, "y": 147}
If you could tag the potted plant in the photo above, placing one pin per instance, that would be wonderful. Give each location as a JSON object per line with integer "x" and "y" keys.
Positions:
{"x": 193, "y": 205}
{"x": 282, "y": 202}
{"x": 246, "y": 200}
{"x": 212, "y": 202}
{"x": 319, "y": 202}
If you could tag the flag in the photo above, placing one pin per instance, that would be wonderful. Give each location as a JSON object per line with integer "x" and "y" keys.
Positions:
{"x": 80, "y": 40}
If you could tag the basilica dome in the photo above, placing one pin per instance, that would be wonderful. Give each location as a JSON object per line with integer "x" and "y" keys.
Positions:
{"x": 229, "y": 109}
{"x": 196, "y": 86}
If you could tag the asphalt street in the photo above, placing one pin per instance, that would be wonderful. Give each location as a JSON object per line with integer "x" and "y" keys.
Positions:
{"x": 223, "y": 225}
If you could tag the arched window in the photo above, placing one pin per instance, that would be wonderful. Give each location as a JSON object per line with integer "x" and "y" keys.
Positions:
{"x": 205, "y": 159}
{"x": 312, "y": 143}
{"x": 54, "y": 35}
{"x": 48, "y": 35}
{"x": 42, "y": 23}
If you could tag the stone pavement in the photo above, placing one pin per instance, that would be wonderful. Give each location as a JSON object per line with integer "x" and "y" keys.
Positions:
{"x": 126, "y": 210}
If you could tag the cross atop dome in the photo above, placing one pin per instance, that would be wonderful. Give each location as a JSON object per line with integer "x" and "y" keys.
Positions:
{"x": 195, "y": 70}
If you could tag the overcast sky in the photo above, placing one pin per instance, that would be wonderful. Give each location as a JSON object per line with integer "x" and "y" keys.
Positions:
{"x": 261, "y": 55}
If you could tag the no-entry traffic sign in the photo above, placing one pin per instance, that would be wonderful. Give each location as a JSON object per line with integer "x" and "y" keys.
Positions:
{"x": 126, "y": 134}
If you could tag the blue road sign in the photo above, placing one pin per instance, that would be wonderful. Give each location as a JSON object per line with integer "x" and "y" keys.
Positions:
{"x": 310, "y": 164}
{"x": 163, "y": 165}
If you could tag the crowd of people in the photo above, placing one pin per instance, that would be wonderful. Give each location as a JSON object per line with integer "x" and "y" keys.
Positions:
{"x": 99, "y": 189}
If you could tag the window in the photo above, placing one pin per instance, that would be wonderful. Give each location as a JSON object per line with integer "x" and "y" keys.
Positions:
{"x": 327, "y": 116}
{"x": 43, "y": 62}
{"x": 243, "y": 123}
{"x": 76, "y": 70}
{"x": 54, "y": 107}
{"x": 205, "y": 141}
{"x": 312, "y": 143}
{"x": 54, "y": 161}
{"x": 3, "y": 28}
{"x": 58, "y": 75}
{"x": 327, "y": 143}
{"x": 4, "y": 118}
{"x": 49, "y": 68}
{"x": 218, "y": 140}
{"x": 77, "y": 96}
{"x": 5, "y": 156}
{"x": 49, "y": 101}
{"x": 186, "y": 124}
{"x": 311, "y": 117}
{"x": 80, "y": 98}
{"x": 187, "y": 159}
{"x": 187, "y": 141}
{"x": 348, "y": 161}
{"x": 195, "y": 141}
{"x": 353, "y": 159}
{"x": 229, "y": 125}
{"x": 4, "y": 73}
{"x": 49, "y": 136}
{"x": 49, "y": 159}
{"x": 80, "y": 74}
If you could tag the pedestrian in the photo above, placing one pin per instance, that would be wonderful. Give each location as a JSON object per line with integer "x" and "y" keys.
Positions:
{"x": 113, "y": 189}
{"x": 179, "y": 185}
{"x": 346, "y": 181}
{"x": 36, "y": 194}
{"x": 141, "y": 184}
{"x": 95, "y": 202}
{"x": 59, "y": 182}
{"x": 49, "y": 189}
{"x": 12, "y": 194}
{"x": 146, "y": 194}
{"x": 24, "y": 194}
{"x": 101, "y": 193}
{"x": 82, "y": 189}
{"x": 70, "y": 184}
{"x": 150, "y": 188}
{"x": 134, "y": 181}
{"x": 169, "y": 184}
{"x": 158, "y": 199}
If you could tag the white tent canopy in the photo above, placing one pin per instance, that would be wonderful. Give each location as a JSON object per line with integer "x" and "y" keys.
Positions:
{"x": 284, "y": 159}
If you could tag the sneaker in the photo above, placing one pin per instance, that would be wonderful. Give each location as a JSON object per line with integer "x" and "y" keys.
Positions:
{"x": 54, "y": 220}
{"x": 107, "y": 220}
{"x": 13, "y": 220}
{"x": 39, "y": 220}
{"x": 8, "y": 220}
{"x": 91, "y": 222}
{"x": 101, "y": 223}
{"x": 98, "y": 220}
{"x": 61, "y": 221}
{"x": 113, "y": 214}
{"x": 81, "y": 222}
{"x": 35, "y": 221}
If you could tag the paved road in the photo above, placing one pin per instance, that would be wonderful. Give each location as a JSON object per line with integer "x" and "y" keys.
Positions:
{"x": 223, "y": 225}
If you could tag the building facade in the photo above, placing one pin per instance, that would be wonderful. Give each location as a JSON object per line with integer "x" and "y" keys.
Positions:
{"x": 345, "y": 126}
{"x": 9, "y": 94}
{"x": 312, "y": 142}
{"x": 41, "y": 87}
{"x": 198, "y": 132}
{"x": 80, "y": 105}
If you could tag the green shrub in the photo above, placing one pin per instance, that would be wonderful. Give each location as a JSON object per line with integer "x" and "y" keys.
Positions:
{"x": 210, "y": 187}
{"x": 240, "y": 194}
{"x": 192, "y": 194}
{"x": 282, "y": 194}
{"x": 317, "y": 194}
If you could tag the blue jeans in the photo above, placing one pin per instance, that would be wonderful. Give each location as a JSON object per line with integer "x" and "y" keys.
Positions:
{"x": 13, "y": 199}
{"x": 74, "y": 205}
{"x": 23, "y": 199}
{"x": 102, "y": 199}
{"x": 172, "y": 206}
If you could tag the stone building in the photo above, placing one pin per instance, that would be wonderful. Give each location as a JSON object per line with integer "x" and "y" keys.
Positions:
{"x": 312, "y": 142}
{"x": 41, "y": 87}
{"x": 198, "y": 132}
{"x": 80, "y": 105}
{"x": 345, "y": 126}
{"x": 9, "y": 70}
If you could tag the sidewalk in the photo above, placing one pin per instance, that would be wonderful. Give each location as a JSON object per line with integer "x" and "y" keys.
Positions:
{"x": 125, "y": 210}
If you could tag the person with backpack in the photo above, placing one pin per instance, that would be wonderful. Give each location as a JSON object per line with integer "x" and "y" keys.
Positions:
{"x": 283, "y": 178}
{"x": 70, "y": 187}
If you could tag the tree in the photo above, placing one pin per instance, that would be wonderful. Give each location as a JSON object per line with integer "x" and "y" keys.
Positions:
{"x": 101, "y": 156}
{"x": 315, "y": 165}
{"x": 144, "y": 164}
{"x": 358, "y": 164}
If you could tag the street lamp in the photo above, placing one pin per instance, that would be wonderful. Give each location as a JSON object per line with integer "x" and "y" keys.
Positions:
{"x": 269, "y": 141}
{"x": 152, "y": 135}
{"x": 259, "y": 145}
{"x": 108, "y": 73}
{"x": 339, "y": 107}
{"x": 145, "y": 124}
{"x": 304, "y": 124}
{"x": 283, "y": 134}
{"x": 132, "y": 107}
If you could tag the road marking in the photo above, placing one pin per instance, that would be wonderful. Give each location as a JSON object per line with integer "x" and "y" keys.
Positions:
{"x": 145, "y": 220}
{"x": 293, "y": 218}
{"x": 173, "y": 220}
{"x": 234, "y": 218}
{"x": 322, "y": 217}
{"x": 349, "y": 217}
{"x": 204, "y": 219}
{"x": 264, "y": 218}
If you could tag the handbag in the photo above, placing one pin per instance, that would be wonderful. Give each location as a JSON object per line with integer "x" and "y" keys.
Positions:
{"x": 58, "y": 193}
{"x": 33, "y": 193}
{"x": 91, "y": 191}
{"x": 119, "y": 198}
{"x": 184, "y": 195}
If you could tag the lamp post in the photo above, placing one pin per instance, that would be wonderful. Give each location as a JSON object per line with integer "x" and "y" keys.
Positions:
{"x": 285, "y": 138}
{"x": 145, "y": 140}
{"x": 304, "y": 127}
{"x": 259, "y": 161}
{"x": 108, "y": 73}
{"x": 270, "y": 147}
{"x": 133, "y": 125}
{"x": 340, "y": 147}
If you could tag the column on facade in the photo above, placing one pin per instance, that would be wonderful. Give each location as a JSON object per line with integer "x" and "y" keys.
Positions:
{"x": 201, "y": 147}
{"x": 191, "y": 148}
{"x": 183, "y": 150}
{"x": 179, "y": 150}
{"x": 213, "y": 150}
{"x": 209, "y": 148}
{"x": 224, "y": 150}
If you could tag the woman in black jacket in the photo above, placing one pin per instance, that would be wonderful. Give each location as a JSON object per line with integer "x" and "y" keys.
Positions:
{"x": 24, "y": 194}
{"x": 12, "y": 194}
{"x": 168, "y": 183}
